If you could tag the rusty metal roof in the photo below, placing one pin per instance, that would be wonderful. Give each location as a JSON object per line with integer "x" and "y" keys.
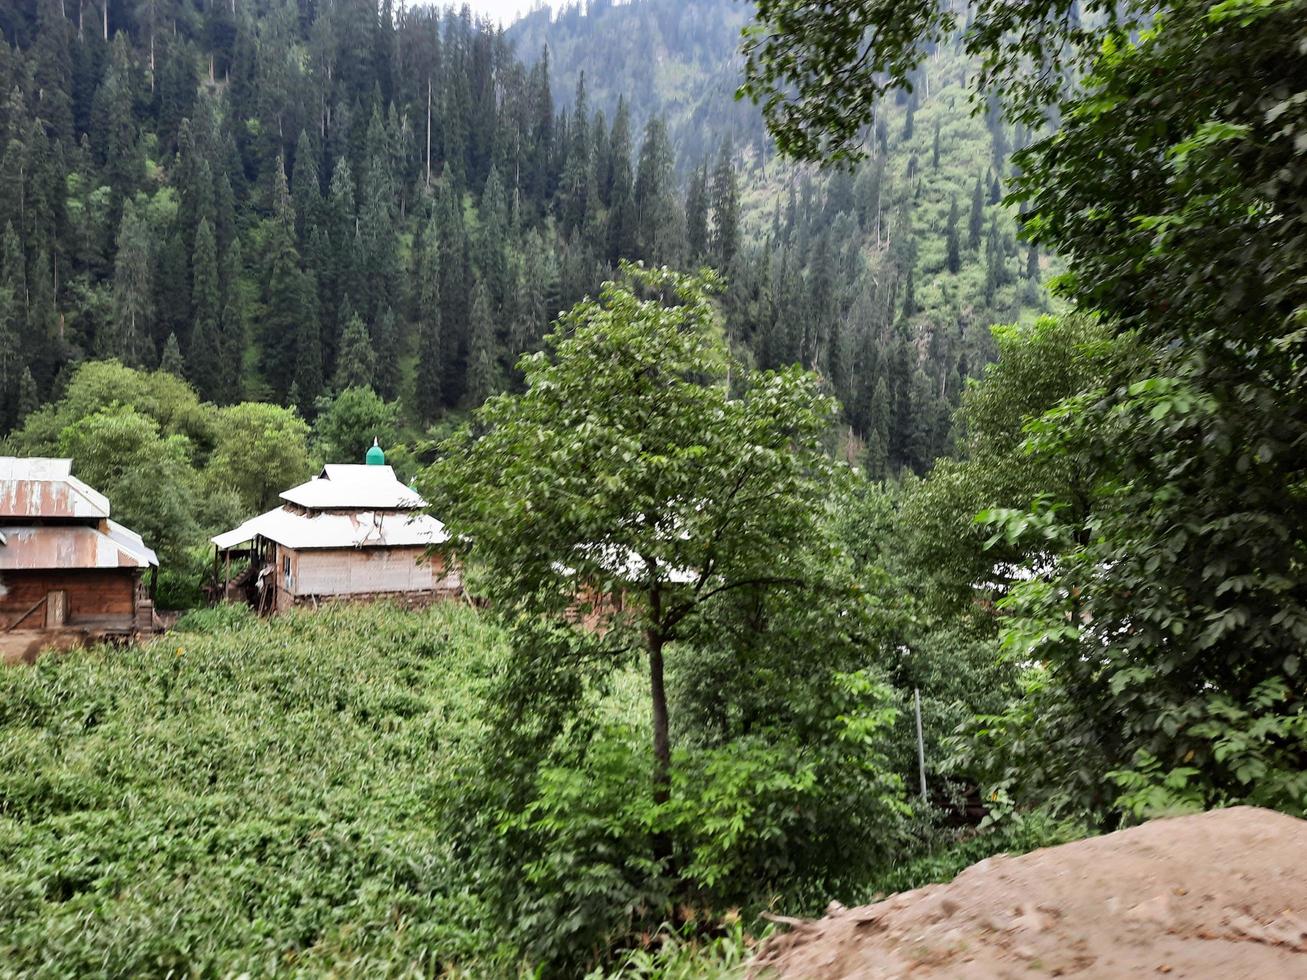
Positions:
{"x": 73, "y": 546}
{"x": 40, "y": 487}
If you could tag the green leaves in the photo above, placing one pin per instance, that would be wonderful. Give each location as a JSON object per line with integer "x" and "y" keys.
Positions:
{"x": 1171, "y": 612}
{"x": 246, "y": 797}
{"x": 1241, "y": 751}
{"x": 627, "y": 461}
{"x": 819, "y": 69}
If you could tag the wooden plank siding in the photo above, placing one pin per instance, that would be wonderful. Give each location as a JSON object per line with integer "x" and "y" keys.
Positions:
{"x": 97, "y": 598}
{"x": 344, "y": 572}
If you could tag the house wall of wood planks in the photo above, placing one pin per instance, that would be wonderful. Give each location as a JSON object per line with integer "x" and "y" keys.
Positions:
{"x": 95, "y": 598}
{"x": 303, "y": 576}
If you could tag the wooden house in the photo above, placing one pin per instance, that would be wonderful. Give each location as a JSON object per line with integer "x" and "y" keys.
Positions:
{"x": 352, "y": 532}
{"x": 64, "y": 564}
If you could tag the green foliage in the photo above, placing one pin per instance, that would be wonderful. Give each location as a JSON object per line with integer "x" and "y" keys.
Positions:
{"x": 245, "y": 797}
{"x": 745, "y": 819}
{"x": 1244, "y": 753}
{"x": 1038, "y": 366}
{"x": 705, "y": 510}
{"x": 954, "y": 852}
{"x": 821, "y": 73}
{"x": 684, "y": 955}
{"x": 1172, "y": 620}
{"x": 97, "y": 385}
{"x": 347, "y": 424}
{"x": 259, "y": 451}
{"x": 122, "y": 454}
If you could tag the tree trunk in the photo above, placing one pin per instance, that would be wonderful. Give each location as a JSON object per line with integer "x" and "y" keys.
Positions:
{"x": 662, "y": 767}
{"x": 661, "y": 740}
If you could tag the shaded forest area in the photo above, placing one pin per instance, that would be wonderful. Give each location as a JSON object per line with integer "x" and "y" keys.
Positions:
{"x": 284, "y": 201}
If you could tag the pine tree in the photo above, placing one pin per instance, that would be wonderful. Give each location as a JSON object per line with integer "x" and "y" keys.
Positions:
{"x": 541, "y": 172}
{"x": 52, "y": 68}
{"x": 429, "y": 389}
{"x": 993, "y": 264}
{"x": 696, "y": 215}
{"x": 306, "y": 189}
{"x": 13, "y": 274}
{"x": 726, "y": 209}
{"x": 283, "y": 207}
{"x": 909, "y": 296}
{"x": 658, "y": 223}
{"x": 577, "y": 191}
{"x": 934, "y": 153}
{"x": 356, "y": 365}
{"x": 282, "y": 332}
{"x": 908, "y": 120}
{"x": 44, "y": 327}
{"x": 11, "y": 362}
{"x": 921, "y": 400}
{"x": 1032, "y": 263}
{"x": 309, "y": 372}
{"x": 342, "y": 274}
{"x": 878, "y": 430}
{"x": 483, "y": 367}
{"x": 386, "y": 343}
{"x": 133, "y": 292}
{"x": 953, "y": 251}
{"x": 115, "y": 132}
{"x": 976, "y": 221}
{"x": 29, "y": 397}
{"x": 171, "y": 360}
{"x": 492, "y": 239}
{"x": 455, "y": 296}
{"x": 233, "y": 330}
{"x": 623, "y": 231}
{"x": 204, "y": 353}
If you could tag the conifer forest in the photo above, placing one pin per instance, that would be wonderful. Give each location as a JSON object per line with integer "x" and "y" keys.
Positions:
{"x": 863, "y": 438}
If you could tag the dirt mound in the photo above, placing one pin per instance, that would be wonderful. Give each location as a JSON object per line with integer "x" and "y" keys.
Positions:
{"x": 1220, "y": 894}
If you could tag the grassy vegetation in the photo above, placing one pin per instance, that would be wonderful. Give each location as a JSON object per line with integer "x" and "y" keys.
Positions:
{"x": 249, "y": 796}
{"x": 244, "y": 796}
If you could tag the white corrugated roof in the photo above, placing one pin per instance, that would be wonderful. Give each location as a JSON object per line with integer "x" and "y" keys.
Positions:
{"x": 365, "y": 529}
{"x": 347, "y": 486}
{"x": 625, "y": 565}
{"x": 44, "y": 487}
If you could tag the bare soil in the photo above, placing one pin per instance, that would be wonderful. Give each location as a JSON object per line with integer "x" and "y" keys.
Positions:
{"x": 1214, "y": 895}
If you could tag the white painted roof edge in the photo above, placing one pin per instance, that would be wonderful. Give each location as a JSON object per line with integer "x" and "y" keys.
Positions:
{"x": 306, "y": 532}
{"x": 130, "y": 541}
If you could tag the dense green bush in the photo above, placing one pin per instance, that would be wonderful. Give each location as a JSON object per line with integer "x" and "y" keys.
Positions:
{"x": 246, "y": 797}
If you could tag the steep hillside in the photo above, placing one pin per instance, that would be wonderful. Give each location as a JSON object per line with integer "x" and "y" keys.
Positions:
{"x": 675, "y": 58}
{"x": 282, "y": 207}
{"x": 886, "y": 279}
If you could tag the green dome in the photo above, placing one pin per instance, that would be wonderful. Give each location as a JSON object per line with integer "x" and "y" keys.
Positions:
{"x": 375, "y": 456}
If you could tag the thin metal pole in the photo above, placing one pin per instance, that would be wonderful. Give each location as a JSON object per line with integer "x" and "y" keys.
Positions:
{"x": 921, "y": 742}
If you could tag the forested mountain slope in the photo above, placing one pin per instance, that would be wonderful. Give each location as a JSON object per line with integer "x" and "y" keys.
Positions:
{"x": 281, "y": 201}
{"x": 676, "y": 59}
{"x": 885, "y": 279}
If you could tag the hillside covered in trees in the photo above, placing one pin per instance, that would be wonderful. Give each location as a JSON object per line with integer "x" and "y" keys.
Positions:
{"x": 897, "y": 564}
{"x": 283, "y": 201}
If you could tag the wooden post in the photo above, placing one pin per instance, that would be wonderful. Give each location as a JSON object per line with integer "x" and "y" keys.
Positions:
{"x": 921, "y": 742}
{"x": 56, "y": 609}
